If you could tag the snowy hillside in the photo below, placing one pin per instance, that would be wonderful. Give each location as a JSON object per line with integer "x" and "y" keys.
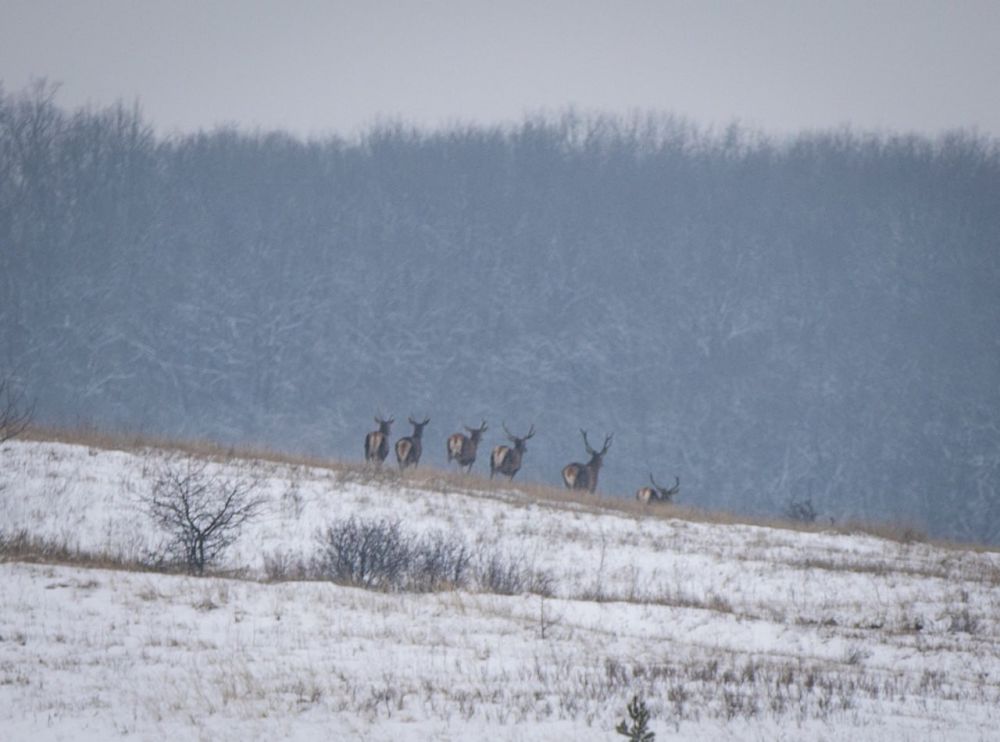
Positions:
{"x": 728, "y": 631}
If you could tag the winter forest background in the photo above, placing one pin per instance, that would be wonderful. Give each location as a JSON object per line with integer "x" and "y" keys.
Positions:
{"x": 772, "y": 320}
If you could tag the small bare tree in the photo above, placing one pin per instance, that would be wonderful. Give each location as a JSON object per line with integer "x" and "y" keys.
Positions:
{"x": 202, "y": 511}
{"x": 15, "y": 412}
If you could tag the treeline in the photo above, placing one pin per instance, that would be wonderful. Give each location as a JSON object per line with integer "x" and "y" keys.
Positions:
{"x": 807, "y": 319}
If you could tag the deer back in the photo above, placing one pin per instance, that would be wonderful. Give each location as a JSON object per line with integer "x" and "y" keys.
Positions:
{"x": 456, "y": 445}
{"x": 576, "y": 476}
{"x": 409, "y": 449}
{"x": 377, "y": 441}
{"x": 646, "y": 495}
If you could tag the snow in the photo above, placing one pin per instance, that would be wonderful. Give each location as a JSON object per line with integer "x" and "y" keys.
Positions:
{"x": 728, "y": 631}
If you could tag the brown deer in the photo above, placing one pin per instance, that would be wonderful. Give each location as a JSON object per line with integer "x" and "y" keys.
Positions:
{"x": 462, "y": 448}
{"x": 377, "y": 441}
{"x": 656, "y": 493}
{"x": 584, "y": 476}
{"x": 408, "y": 449}
{"x": 507, "y": 460}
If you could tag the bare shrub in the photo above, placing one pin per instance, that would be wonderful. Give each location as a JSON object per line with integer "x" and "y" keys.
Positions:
{"x": 441, "y": 562}
{"x": 282, "y": 566}
{"x": 511, "y": 574}
{"x": 201, "y": 511}
{"x": 365, "y": 553}
{"x": 378, "y": 555}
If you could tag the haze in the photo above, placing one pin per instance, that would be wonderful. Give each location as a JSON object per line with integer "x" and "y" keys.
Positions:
{"x": 315, "y": 68}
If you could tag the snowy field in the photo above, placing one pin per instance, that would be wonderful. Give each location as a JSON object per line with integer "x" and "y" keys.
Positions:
{"x": 728, "y": 631}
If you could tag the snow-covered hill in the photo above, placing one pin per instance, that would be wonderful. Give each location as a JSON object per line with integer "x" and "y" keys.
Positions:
{"x": 728, "y": 631}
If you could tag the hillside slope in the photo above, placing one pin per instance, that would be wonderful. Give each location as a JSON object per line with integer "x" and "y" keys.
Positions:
{"x": 727, "y": 630}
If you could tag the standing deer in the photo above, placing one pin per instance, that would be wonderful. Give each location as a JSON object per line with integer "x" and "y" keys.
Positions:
{"x": 507, "y": 460}
{"x": 462, "y": 448}
{"x": 656, "y": 493}
{"x": 377, "y": 441}
{"x": 584, "y": 476}
{"x": 408, "y": 449}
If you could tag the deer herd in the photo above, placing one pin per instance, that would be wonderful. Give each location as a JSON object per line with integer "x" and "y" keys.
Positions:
{"x": 504, "y": 459}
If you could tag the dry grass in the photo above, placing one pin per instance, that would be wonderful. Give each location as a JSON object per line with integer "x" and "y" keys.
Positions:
{"x": 516, "y": 492}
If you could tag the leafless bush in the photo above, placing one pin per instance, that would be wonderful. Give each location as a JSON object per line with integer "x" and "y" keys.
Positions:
{"x": 372, "y": 554}
{"x": 201, "y": 511}
{"x": 441, "y": 562}
{"x": 282, "y": 566}
{"x": 378, "y": 555}
{"x": 511, "y": 574}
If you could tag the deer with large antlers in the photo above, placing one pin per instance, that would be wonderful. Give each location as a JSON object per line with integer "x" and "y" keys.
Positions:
{"x": 507, "y": 459}
{"x": 462, "y": 448}
{"x": 377, "y": 441}
{"x": 656, "y": 493}
{"x": 584, "y": 476}
{"x": 408, "y": 449}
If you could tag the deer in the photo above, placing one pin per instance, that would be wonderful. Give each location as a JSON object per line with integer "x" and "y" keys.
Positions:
{"x": 462, "y": 448}
{"x": 408, "y": 449}
{"x": 507, "y": 460}
{"x": 656, "y": 493}
{"x": 584, "y": 476}
{"x": 377, "y": 442}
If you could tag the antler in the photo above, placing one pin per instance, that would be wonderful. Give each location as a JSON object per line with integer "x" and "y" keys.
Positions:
{"x": 604, "y": 448}
{"x": 531, "y": 432}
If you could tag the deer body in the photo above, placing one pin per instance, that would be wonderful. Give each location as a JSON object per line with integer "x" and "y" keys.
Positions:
{"x": 408, "y": 449}
{"x": 507, "y": 459}
{"x": 377, "y": 442}
{"x": 656, "y": 493}
{"x": 462, "y": 448}
{"x": 578, "y": 476}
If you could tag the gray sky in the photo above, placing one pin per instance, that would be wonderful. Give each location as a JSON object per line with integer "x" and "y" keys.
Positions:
{"x": 315, "y": 67}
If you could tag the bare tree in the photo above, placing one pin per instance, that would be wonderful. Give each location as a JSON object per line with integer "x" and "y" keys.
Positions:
{"x": 202, "y": 511}
{"x": 15, "y": 412}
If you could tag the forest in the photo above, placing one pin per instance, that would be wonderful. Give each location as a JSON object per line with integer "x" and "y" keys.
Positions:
{"x": 772, "y": 320}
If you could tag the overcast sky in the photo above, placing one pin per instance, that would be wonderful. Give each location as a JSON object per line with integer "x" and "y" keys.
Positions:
{"x": 316, "y": 67}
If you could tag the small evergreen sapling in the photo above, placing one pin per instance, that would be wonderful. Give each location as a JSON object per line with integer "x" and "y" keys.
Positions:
{"x": 638, "y": 731}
